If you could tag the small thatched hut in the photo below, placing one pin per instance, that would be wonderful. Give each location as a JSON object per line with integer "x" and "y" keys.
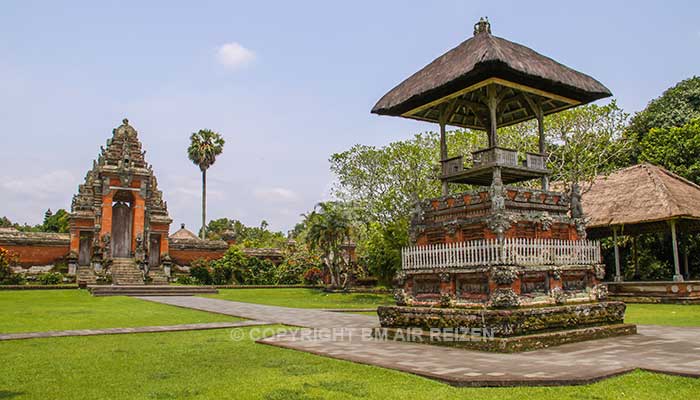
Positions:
{"x": 640, "y": 199}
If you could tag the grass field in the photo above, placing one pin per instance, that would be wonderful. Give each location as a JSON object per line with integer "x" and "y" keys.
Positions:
{"x": 50, "y": 310}
{"x": 304, "y": 298}
{"x": 663, "y": 314}
{"x": 210, "y": 365}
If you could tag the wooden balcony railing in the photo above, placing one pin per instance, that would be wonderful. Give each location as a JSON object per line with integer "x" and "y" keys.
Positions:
{"x": 514, "y": 251}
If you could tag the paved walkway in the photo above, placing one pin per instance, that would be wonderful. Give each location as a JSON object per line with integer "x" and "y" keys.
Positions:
{"x": 140, "y": 329}
{"x": 662, "y": 349}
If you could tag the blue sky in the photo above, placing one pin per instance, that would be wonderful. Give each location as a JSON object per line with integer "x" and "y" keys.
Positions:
{"x": 286, "y": 83}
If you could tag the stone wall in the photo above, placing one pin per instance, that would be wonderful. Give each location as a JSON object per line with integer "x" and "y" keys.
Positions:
{"x": 44, "y": 249}
{"x": 36, "y": 248}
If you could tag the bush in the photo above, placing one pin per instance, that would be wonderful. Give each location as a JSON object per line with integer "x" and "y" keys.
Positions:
{"x": 200, "y": 271}
{"x": 313, "y": 276}
{"x": 297, "y": 260}
{"x": 260, "y": 272}
{"x": 7, "y": 275}
{"x": 222, "y": 274}
{"x": 185, "y": 280}
{"x": 50, "y": 278}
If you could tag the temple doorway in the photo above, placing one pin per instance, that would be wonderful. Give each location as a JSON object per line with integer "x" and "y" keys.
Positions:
{"x": 85, "y": 248}
{"x": 121, "y": 229}
{"x": 154, "y": 251}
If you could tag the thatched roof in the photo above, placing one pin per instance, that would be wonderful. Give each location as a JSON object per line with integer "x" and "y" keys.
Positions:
{"x": 639, "y": 198}
{"x": 463, "y": 72}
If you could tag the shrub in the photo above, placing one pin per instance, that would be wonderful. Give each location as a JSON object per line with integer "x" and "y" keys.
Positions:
{"x": 50, "y": 278}
{"x": 313, "y": 276}
{"x": 7, "y": 275}
{"x": 200, "y": 271}
{"x": 185, "y": 280}
{"x": 297, "y": 260}
{"x": 222, "y": 274}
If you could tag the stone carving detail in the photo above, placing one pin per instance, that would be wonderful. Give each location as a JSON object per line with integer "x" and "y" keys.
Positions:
{"x": 558, "y": 295}
{"x": 599, "y": 271}
{"x": 504, "y": 275}
{"x": 600, "y": 291}
{"x": 497, "y": 192}
{"x": 447, "y": 300}
{"x": 499, "y": 223}
{"x": 504, "y": 298}
{"x": 581, "y": 228}
{"x": 555, "y": 273}
{"x": 575, "y": 206}
{"x": 402, "y": 298}
{"x": 545, "y": 221}
{"x": 400, "y": 278}
{"x": 445, "y": 276}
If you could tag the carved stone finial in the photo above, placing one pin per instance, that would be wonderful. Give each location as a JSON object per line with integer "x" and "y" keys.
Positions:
{"x": 483, "y": 26}
{"x": 125, "y": 121}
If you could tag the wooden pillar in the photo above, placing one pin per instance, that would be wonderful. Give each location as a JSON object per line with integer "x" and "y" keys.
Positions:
{"x": 677, "y": 277}
{"x": 492, "y": 103}
{"x": 635, "y": 257}
{"x": 540, "y": 128}
{"x": 443, "y": 152}
{"x": 618, "y": 274}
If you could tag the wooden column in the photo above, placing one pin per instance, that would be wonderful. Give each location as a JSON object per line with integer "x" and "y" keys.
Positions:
{"x": 492, "y": 103}
{"x": 635, "y": 257}
{"x": 618, "y": 274}
{"x": 443, "y": 154}
{"x": 677, "y": 277}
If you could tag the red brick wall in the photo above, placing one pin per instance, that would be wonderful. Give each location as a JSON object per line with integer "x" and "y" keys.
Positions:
{"x": 185, "y": 257}
{"x": 38, "y": 254}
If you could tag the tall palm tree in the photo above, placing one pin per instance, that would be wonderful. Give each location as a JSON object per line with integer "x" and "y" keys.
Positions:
{"x": 329, "y": 227}
{"x": 205, "y": 145}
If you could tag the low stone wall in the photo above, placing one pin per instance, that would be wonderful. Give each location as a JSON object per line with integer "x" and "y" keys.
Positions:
{"x": 656, "y": 292}
{"x": 184, "y": 251}
{"x": 36, "y": 249}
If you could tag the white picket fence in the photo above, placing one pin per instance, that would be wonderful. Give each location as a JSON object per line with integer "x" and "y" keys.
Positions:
{"x": 518, "y": 251}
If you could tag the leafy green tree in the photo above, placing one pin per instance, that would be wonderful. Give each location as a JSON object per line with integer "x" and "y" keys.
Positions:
{"x": 58, "y": 222}
{"x": 297, "y": 260}
{"x": 585, "y": 142}
{"x": 330, "y": 225}
{"x": 255, "y": 237}
{"x": 381, "y": 249}
{"x": 205, "y": 146}
{"x": 675, "y": 148}
{"x": 675, "y": 107}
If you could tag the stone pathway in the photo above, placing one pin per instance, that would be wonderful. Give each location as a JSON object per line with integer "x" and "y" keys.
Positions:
{"x": 345, "y": 336}
{"x": 140, "y": 329}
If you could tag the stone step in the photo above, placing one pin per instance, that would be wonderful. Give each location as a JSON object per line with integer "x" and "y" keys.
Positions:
{"x": 150, "y": 290}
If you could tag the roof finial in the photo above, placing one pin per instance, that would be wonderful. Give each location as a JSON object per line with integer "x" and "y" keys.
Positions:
{"x": 483, "y": 26}
{"x": 182, "y": 225}
{"x": 125, "y": 121}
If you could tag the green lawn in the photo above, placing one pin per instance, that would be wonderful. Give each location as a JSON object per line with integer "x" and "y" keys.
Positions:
{"x": 210, "y": 365}
{"x": 49, "y": 310}
{"x": 663, "y": 314}
{"x": 304, "y": 298}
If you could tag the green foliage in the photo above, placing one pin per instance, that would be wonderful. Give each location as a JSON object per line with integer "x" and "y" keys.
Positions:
{"x": 313, "y": 276}
{"x": 297, "y": 260}
{"x": 205, "y": 146}
{"x": 58, "y": 222}
{"x": 252, "y": 237}
{"x": 50, "y": 278}
{"x": 7, "y": 275}
{"x": 674, "y": 148}
{"x": 230, "y": 268}
{"x": 675, "y": 107}
{"x": 381, "y": 250}
{"x": 200, "y": 271}
{"x": 330, "y": 226}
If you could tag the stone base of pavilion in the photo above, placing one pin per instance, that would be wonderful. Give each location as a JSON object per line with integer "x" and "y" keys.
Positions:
{"x": 504, "y": 330}
{"x": 685, "y": 292}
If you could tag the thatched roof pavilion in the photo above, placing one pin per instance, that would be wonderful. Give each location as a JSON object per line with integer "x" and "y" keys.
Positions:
{"x": 641, "y": 199}
{"x": 484, "y": 83}
{"x": 465, "y": 72}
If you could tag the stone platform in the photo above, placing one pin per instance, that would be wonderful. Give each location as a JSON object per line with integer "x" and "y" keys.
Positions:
{"x": 505, "y": 330}
{"x": 149, "y": 290}
{"x": 687, "y": 292}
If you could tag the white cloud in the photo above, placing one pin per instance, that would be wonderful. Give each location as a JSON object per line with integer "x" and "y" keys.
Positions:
{"x": 41, "y": 187}
{"x": 276, "y": 194}
{"x": 233, "y": 55}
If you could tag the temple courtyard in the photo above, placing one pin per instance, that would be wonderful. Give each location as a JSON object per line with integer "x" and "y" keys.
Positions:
{"x": 217, "y": 346}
